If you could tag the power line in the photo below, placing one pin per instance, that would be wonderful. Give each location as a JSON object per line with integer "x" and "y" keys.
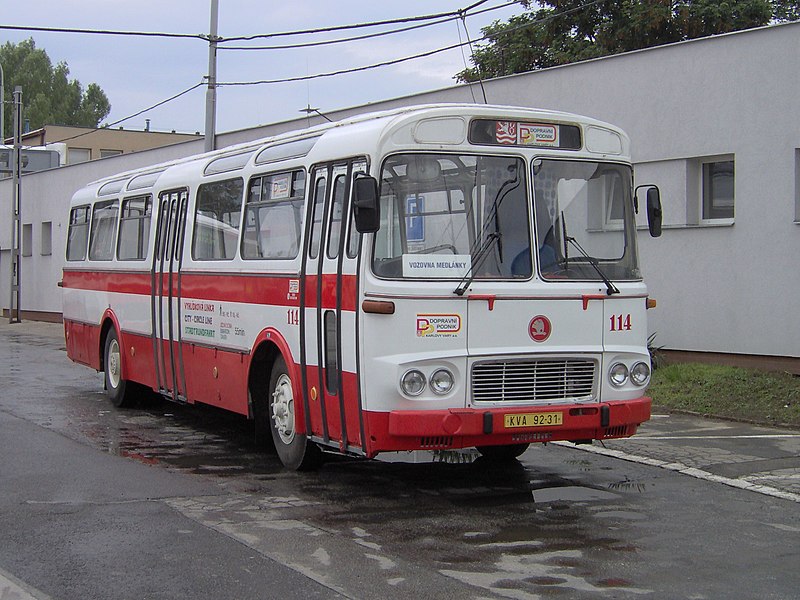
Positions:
{"x": 136, "y": 114}
{"x": 354, "y": 38}
{"x": 472, "y": 52}
{"x": 367, "y": 36}
{"x": 343, "y": 71}
{"x": 443, "y": 17}
{"x": 396, "y": 61}
{"x": 198, "y": 36}
{"x": 454, "y": 13}
{"x": 206, "y": 37}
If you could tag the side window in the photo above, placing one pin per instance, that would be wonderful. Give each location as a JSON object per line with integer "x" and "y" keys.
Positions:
{"x": 317, "y": 216}
{"x": 103, "y": 230}
{"x": 78, "y": 234}
{"x": 216, "y": 220}
{"x": 273, "y": 219}
{"x": 134, "y": 228}
{"x": 337, "y": 208}
{"x": 353, "y": 236}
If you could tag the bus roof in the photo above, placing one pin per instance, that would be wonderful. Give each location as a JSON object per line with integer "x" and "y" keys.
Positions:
{"x": 373, "y": 125}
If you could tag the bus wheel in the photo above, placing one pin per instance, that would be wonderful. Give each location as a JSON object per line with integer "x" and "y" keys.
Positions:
{"x": 120, "y": 391}
{"x": 293, "y": 448}
{"x": 503, "y": 453}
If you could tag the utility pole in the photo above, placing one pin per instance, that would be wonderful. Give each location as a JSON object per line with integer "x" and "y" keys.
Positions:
{"x": 16, "y": 204}
{"x": 211, "y": 92}
{"x": 2, "y": 104}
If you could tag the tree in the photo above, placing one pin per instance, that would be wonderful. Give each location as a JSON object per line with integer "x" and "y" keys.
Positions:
{"x": 565, "y": 31}
{"x": 48, "y": 96}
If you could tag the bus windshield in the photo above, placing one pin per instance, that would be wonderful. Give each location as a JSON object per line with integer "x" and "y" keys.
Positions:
{"x": 446, "y": 216}
{"x": 585, "y": 226}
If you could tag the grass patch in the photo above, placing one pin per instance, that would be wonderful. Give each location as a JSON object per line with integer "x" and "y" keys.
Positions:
{"x": 729, "y": 392}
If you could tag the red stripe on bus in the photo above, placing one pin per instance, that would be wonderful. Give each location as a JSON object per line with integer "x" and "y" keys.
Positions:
{"x": 247, "y": 289}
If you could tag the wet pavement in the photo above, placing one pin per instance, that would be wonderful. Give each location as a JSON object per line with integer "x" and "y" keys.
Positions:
{"x": 688, "y": 508}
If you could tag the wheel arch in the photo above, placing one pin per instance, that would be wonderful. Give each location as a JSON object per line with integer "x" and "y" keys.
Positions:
{"x": 108, "y": 322}
{"x": 268, "y": 346}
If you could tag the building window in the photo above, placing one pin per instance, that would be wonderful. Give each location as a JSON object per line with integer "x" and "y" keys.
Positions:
{"x": 718, "y": 190}
{"x": 797, "y": 185}
{"x": 78, "y": 155}
{"x": 107, "y": 153}
{"x": 27, "y": 239}
{"x": 47, "y": 238}
{"x": 615, "y": 196}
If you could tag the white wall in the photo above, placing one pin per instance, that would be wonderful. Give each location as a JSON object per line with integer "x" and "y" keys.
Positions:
{"x": 730, "y": 288}
{"x": 45, "y": 198}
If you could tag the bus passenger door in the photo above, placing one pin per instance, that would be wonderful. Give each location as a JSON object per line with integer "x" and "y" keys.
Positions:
{"x": 165, "y": 297}
{"x": 329, "y": 310}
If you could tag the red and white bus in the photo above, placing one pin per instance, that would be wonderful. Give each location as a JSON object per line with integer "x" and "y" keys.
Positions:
{"x": 432, "y": 277}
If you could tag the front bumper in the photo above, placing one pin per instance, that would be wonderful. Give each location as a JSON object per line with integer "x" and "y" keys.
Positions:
{"x": 464, "y": 428}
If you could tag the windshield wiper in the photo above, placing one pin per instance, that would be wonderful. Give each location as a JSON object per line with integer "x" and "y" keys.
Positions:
{"x": 477, "y": 261}
{"x": 610, "y": 287}
{"x": 491, "y": 238}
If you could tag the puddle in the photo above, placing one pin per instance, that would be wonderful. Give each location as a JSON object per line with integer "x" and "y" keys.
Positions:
{"x": 571, "y": 493}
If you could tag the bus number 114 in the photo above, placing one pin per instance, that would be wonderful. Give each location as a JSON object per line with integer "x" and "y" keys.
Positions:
{"x": 620, "y": 322}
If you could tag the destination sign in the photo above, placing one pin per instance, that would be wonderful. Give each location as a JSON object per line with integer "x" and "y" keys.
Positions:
{"x": 521, "y": 133}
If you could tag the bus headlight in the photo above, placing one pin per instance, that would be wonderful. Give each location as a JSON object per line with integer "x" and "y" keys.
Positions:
{"x": 640, "y": 373}
{"x": 442, "y": 382}
{"x": 413, "y": 382}
{"x": 618, "y": 374}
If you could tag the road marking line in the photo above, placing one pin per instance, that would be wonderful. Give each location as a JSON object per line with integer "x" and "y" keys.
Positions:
{"x": 767, "y": 436}
{"x": 686, "y": 470}
{"x": 12, "y": 588}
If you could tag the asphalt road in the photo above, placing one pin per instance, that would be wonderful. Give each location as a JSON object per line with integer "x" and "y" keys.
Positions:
{"x": 166, "y": 501}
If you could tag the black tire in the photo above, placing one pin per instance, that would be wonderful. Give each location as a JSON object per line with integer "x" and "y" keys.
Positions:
{"x": 122, "y": 393}
{"x": 261, "y": 418}
{"x": 503, "y": 453}
{"x": 294, "y": 449}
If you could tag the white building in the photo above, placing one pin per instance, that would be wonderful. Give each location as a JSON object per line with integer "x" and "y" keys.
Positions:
{"x": 711, "y": 124}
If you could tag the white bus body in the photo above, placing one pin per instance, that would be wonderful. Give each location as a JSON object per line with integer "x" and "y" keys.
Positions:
{"x": 495, "y": 300}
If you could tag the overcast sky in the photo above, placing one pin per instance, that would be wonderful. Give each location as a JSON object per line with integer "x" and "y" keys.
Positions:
{"x": 137, "y": 72}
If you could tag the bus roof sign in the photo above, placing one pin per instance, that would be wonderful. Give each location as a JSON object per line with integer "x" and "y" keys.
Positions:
{"x": 496, "y": 132}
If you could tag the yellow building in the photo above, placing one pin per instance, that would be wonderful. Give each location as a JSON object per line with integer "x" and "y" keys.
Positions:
{"x": 85, "y": 143}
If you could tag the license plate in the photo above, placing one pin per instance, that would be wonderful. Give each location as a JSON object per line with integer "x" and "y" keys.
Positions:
{"x": 533, "y": 420}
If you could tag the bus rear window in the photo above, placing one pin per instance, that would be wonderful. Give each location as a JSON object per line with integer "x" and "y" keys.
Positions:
{"x": 78, "y": 235}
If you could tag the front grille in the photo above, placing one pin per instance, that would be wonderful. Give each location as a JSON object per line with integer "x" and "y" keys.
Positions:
{"x": 533, "y": 380}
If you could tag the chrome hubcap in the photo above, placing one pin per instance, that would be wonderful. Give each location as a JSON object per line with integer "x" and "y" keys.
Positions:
{"x": 113, "y": 364}
{"x": 283, "y": 409}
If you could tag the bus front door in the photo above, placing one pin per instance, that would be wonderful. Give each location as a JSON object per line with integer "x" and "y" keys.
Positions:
{"x": 329, "y": 301}
{"x": 165, "y": 296}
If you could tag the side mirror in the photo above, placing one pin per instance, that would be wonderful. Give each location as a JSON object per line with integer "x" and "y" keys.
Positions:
{"x": 654, "y": 212}
{"x": 365, "y": 204}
